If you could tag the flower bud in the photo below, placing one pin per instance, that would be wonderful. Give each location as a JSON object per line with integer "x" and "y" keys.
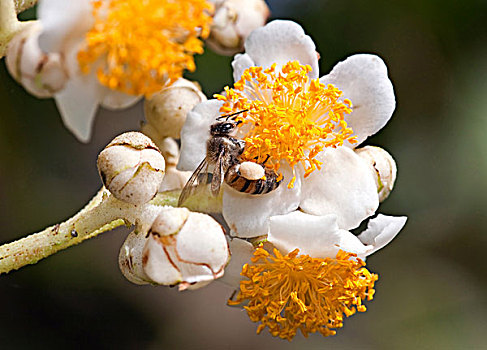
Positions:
{"x": 170, "y": 150}
{"x": 385, "y": 169}
{"x": 129, "y": 259}
{"x": 232, "y": 23}
{"x": 173, "y": 179}
{"x": 132, "y": 168}
{"x": 166, "y": 110}
{"x": 41, "y": 74}
{"x": 182, "y": 247}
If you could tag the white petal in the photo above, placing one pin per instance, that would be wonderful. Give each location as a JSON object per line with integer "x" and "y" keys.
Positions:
{"x": 381, "y": 230}
{"x": 239, "y": 64}
{"x": 247, "y": 215}
{"x": 63, "y": 21}
{"x": 363, "y": 79}
{"x": 114, "y": 99}
{"x": 316, "y": 236}
{"x": 280, "y": 42}
{"x": 78, "y": 103}
{"x": 195, "y": 133}
{"x": 344, "y": 186}
{"x": 242, "y": 251}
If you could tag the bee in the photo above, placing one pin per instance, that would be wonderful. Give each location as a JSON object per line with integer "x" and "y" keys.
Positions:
{"x": 223, "y": 153}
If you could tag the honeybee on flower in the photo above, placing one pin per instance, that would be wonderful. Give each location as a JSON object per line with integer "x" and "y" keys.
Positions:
{"x": 307, "y": 130}
{"x": 308, "y": 127}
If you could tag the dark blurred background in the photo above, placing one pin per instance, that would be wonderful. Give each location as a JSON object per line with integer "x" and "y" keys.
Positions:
{"x": 432, "y": 288}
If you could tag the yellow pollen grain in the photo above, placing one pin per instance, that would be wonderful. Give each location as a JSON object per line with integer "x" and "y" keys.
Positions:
{"x": 290, "y": 292}
{"x": 289, "y": 116}
{"x": 138, "y": 46}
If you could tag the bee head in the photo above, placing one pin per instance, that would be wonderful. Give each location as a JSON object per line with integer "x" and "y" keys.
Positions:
{"x": 222, "y": 128}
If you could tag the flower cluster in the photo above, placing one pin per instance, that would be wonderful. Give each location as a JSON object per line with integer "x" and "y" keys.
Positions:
{"x": 111, "y": 53}
{"x": 282, "y": 146}
{"x": 306, "y": 129}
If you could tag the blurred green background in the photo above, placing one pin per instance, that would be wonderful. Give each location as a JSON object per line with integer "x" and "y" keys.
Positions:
{"x": 433, "y": 282}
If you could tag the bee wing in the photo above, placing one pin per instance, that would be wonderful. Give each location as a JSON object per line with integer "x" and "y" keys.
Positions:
{"x": 218, "y": 175}
{"x": 194, "y": 182}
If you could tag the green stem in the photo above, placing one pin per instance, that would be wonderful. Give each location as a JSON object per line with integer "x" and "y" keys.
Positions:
{"x": 103, "y": 213}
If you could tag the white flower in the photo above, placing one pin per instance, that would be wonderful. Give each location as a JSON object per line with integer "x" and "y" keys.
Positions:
{"x": 116, "y": 51}
{"x": 314, "y": 279}
{"x": 345, "y": 185}
{"x": 65, "y": 24}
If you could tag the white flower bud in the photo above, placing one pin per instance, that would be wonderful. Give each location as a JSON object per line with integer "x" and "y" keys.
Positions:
{"x": 166, "y": 110}
{"x": 173, "y": 179}
{"x": 170, "y": 150}
{"x": 132, "y": 168}
{"x": 41, "y": 74}
{"x": 129, "y": 259}
{"x": 385, "y": 169}
{"x": 232, "y": 23}
{"x": 184, "y": 248}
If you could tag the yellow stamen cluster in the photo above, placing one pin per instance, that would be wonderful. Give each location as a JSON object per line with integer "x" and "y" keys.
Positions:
{"x": 137, "y": 46}
{"x": 290, "y": 117}
{"x": 290, "y": 292}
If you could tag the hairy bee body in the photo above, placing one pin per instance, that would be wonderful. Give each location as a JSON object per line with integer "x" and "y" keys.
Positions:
{"x": 223, "y": 153}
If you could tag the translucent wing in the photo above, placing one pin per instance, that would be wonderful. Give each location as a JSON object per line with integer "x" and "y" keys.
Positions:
{"x": 218, "y": 174}
{"x": 198, "y": 179}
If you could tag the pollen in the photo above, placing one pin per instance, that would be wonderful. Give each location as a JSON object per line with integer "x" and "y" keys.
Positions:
{"x": 289, "y": 117}
{"x": 138, "y": 46}
{"x": 290, "y": 292}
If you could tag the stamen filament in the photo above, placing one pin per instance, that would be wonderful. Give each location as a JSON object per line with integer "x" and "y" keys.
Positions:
{"x": 291, "y": 117}
{"x": 290, "y": 292}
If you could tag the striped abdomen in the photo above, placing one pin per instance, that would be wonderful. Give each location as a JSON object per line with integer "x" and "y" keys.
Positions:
{"x": 234, "y": 179}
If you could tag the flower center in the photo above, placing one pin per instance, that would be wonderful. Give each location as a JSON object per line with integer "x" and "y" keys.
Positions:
{"x": 137, "y": 46}
{"x": 290, "y": 292}
{"x": 289, "y": 117}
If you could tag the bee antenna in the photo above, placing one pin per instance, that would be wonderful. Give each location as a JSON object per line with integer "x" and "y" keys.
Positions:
{"x": 268, "y": 156}
{"x": 228, "y": 116}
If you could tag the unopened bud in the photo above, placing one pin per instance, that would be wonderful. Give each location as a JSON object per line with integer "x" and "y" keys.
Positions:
{"x": 170, "y": 150}
{"x": 166, "y": 110}
{"x": 232, "y": 23}
{"x": 129, "y": 259}
{"x": 174, "y": 179}
{"x": 384, "y": 166}
{"x": 184, "y": 248}
{"x": 41, "y": 74}
{"x": 132, "y": 168}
